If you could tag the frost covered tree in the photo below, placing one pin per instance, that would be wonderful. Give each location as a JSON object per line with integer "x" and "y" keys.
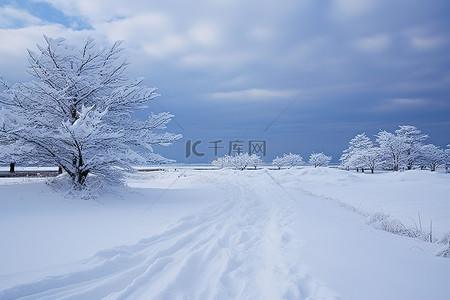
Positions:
{"x": 372, "y": 158}
{"x": 221, "y": 162}
{"x": 12, "y": 151}
{"x": 413, "y": 138}
{"x": 433, "y": 156}
{"x": 351, "y": 157}
{"x": 447, "y": 158}
{"x": 319, "y": 159}
{"x": 360, "y": 154}
{"x": 243, "y": 160}
{"x": 288, "y": 160}
{"x": 255, "y": 161}
{"x": 76, "y": 113}
{"x": 278, "y": 162}
{"x": 393, "y": 149}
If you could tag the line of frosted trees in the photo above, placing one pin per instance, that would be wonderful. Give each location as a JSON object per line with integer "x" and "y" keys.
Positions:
{"x": 292, "y": 160}
{"x": 402, "y": 150}
{"x": 239, "y": 161}
{"x": 243, "y": 161}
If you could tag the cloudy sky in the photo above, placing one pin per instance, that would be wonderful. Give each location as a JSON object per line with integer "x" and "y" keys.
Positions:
{"x": 301, "y": 75}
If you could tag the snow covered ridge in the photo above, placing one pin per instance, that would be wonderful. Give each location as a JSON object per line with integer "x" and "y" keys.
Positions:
{"x": 227, "y": 234}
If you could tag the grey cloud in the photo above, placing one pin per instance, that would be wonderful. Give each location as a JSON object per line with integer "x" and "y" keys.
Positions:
{"x": 348, "y": 57}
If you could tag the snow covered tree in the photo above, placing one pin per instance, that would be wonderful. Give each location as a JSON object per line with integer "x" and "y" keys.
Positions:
{"x": 222, "y": 162}
{"x": 319, "y": 160}
{"x": 288, "y": 160}
{"x": 243, "y": 160}
{"x": 15, "y": 151}
{"x": 351, "y": 157}
{"x": 432, "y": 156}
{"x": 413, "y": 139}
{"x": 393, "y": 149}
{"x": 372, "y": 158}
{"x": 239, "y": 161}
{"x": 278, "y": 162}
{"x": 254, "y": 161}
{"x": 76, "y": 113}
{"x": 447, "y": 158}
{"x": 360, "y": 154}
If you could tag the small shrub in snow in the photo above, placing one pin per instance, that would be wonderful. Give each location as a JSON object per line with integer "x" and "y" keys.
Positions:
{"x": 377, "y": 217}
{"x": 397, "y": 227}
{"x": 444, "y": 251}
{"x": 384, "y": 222}
{"x": 445, "y": 239}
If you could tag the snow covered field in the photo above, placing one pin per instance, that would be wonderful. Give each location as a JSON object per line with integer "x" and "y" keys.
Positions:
{"x": 225, "y": 234}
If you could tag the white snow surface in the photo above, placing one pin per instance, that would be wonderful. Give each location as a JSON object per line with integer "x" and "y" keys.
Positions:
{"x": 226, "y": 234}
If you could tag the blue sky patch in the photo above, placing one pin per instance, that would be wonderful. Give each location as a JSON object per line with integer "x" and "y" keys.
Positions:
{"x": 47, "y": 13}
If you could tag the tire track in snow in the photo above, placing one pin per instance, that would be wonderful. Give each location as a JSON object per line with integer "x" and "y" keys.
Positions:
{"x": 242, "y": 247}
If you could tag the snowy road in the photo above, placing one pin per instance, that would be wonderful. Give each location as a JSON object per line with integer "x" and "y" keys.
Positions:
{"x": 258, "y": 239}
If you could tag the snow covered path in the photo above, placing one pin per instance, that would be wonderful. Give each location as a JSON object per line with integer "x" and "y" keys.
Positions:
{"x": 258, "y": 239}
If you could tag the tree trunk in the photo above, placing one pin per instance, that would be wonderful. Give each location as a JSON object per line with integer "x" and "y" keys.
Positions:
{"x": 82, "y": 177}
{"x": 12, "y": 167}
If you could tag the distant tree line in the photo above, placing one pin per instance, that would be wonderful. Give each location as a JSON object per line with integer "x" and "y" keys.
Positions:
{"x": 405, "y": 149}
{"x": 239, "y": 161}
{"x": 243, "y": 161}
{"x": 293, "y": 160}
